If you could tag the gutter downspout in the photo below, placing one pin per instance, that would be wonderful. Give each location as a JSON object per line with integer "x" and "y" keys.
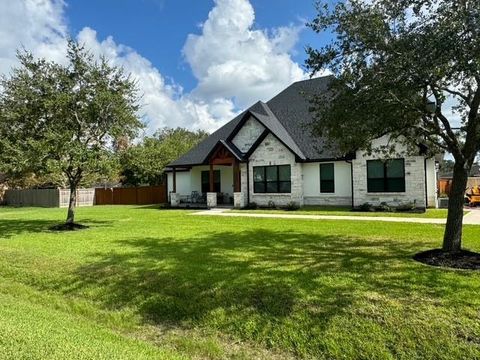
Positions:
{"x": 248, "y": 182}
{"x": 351, "y": 180}
{"x": 426, "y": 187}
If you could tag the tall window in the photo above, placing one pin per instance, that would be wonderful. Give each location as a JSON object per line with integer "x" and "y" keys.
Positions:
{"x": 272, "y": 179}
{"x": 386, "y": 176}
{"x": 327, "y": 178}
{"x": 206, "y": 181}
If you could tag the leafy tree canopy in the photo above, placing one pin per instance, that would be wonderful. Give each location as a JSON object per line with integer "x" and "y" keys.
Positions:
{"x": 145, "y": 162}
{"x": 398, "y": 65}
{"x": 59, "y": 121}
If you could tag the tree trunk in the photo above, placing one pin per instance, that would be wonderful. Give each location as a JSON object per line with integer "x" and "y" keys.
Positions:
{"x": 71, "y": 204}
{"x": 452, "y": 240}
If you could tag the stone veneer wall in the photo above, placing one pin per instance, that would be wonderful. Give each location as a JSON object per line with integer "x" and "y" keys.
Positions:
{"x": 414, "y": 182}
{"x": 332, "y": 200}
{"x": 272, "y": 152}
{"x": 248, "y": 134}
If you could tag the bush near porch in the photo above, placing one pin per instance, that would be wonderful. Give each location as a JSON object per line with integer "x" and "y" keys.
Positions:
{"x": 144, "y": 283}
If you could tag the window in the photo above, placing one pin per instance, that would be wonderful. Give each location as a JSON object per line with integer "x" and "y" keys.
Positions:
{"x": 206, "y": 181}
{"x": 327, "y": 178}
{"x": 272, "y": 179}
{"x": 386, "y": 176}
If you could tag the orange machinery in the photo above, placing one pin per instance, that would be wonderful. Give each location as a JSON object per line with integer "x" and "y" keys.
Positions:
{"x": 474, "y": 196}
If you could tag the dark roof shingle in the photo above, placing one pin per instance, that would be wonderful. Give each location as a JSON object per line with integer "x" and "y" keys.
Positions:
{"x": 286, "y": 115}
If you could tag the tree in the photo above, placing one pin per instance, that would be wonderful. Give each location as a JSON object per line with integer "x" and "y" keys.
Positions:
{"x": 398, "y": 64}
{"x": 61, "y": 119}
{"x": 446, "y": 168}
{"x": 145, "y": 162}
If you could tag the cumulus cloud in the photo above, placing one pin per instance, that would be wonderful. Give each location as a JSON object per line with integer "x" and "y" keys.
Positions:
{"x": 164, "y": 104}
{"x": 231, "y": 59}
{"x": 235, "y": 64}
{"x": 36, "y": 25}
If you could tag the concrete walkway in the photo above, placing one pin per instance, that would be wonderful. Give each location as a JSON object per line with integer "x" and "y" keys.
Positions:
{"x": 472, "y": 218}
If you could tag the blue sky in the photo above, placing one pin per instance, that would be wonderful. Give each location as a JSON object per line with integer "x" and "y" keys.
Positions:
{"x": 157, "y": 29}
{"x": 197, "y": 63}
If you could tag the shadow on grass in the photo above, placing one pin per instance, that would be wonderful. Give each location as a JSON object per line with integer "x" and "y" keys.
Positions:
{"x": 263, "y": 272}
{"x": 261, "y": 284}
{"x": 13, "y": 227}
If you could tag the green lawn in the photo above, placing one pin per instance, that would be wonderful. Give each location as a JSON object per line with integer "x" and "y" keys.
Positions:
{"x": 346, "y": 211}
{"x": 144, "y": 283}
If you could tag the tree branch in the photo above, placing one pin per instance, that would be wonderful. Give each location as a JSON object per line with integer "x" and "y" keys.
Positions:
{"x": 464, "y": 97}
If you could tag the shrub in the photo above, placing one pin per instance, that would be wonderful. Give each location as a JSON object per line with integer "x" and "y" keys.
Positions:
{"x": 251, "y": 206}
{"x": 410, "y": 206}
{"x": 383, "y": 207}
{"x": 271, "y": 205}
{"x": 365, "y": 207}
{"x": 292, "y": 206}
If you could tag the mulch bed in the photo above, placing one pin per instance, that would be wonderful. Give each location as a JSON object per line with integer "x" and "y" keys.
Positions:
{"x": 463, "y": 259}
{"x": 68, "y": 227}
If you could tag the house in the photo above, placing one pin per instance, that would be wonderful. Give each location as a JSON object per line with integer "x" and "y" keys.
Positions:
{"x": 269, "y": 154}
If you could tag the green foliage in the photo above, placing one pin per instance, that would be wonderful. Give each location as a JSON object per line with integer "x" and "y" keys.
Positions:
{"x": 446, "y": 168}
{"x": 399, "y": 65}
{"x": 59, "y": 121}
{"x": 292, "y": 206}
{"x": 142, "y": 281}
{"x": 251, "y": 206}
{"x": 144, "y": 163}
{"x": 391, "y": 59}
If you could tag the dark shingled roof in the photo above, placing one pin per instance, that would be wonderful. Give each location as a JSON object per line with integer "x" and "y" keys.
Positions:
{"x": 286, "y": 115}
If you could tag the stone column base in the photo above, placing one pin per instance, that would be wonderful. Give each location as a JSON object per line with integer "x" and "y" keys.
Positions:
{"x": 239, "y": 200}
{"x": 174, "y": 199}
{"x": 211, "y": 199}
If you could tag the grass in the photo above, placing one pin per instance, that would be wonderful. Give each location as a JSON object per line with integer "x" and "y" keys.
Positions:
{"x": 144, "y": 283}
{"x": 346, "y": 211}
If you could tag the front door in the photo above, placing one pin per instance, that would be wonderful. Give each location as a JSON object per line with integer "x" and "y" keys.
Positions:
{"x": 206, "y": 181}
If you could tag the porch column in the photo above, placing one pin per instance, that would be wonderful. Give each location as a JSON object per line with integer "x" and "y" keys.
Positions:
{"x": 211, "y": 182}
{"x": 174, "y": 190}
{"x": 211, "y": 199}
{"x": 236, "y": 176}
{"x": 238, "y": 195}
{"x": 174, "y": 197}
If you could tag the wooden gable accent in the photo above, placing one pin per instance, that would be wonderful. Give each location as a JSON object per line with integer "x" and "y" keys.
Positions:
{"x": 222, "y": 156}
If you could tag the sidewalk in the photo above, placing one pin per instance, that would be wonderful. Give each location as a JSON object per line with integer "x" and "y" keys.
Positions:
{"x": 472, "y": 218}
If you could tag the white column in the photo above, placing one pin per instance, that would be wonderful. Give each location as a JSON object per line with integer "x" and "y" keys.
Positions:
{"x": 211, "y": 199}
{"x": 239, "y": 200}
{"x": 174, "y": 199}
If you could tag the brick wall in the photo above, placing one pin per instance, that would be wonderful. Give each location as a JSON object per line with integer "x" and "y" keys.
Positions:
{"x": 272, "y": 152}
{"x": 248, "y": 134}
{"x": 414, "y": 181}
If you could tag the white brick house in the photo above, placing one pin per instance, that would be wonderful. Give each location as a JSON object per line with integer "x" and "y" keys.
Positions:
{"x": 269, "y": 154}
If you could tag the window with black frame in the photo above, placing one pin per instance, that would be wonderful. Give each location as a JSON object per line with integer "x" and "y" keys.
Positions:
{"x": 272, "y": 179}
{"x": 327, "y": 178}
{"x": 386, "y": 176}
{"x": 206, "y": 181}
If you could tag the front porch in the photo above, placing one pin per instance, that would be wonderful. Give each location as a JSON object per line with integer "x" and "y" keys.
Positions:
{"x": 217, "y": 183}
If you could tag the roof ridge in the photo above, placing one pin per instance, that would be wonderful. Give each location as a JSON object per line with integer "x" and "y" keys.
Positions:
{"x": 310, "y": 79}
{"x": 272, "y": 115}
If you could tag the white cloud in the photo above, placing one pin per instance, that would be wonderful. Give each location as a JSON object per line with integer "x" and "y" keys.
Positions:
{"x": 235, "y": 65}
{"x": 231, "y": 59}
{"x": 164, "y": 104}
{"x": 37, "y": 25}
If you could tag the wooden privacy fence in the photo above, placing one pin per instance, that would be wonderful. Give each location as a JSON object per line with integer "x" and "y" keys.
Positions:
{"x": 143, "y": 195}
{"x": 48, "y": 197}
{"x": 444, "y": 185}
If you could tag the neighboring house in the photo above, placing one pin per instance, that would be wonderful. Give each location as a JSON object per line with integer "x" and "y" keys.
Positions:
{"x": 269, "y": 154}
